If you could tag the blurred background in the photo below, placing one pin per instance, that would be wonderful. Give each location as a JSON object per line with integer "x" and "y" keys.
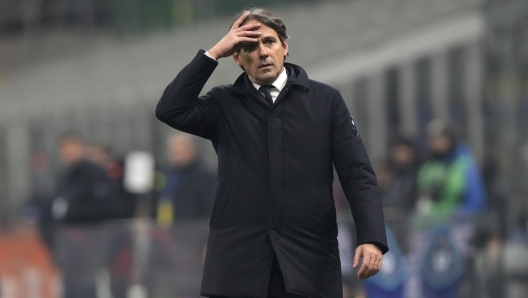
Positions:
{"x": 99, "y": 199}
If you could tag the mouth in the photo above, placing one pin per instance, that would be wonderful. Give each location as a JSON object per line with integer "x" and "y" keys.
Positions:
{"x": 264, "y": 65}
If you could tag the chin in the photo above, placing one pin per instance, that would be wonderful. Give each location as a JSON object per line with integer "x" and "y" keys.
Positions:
{"x": 268, "y": 78}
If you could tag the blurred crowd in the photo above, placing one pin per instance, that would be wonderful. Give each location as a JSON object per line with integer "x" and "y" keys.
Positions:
{"x": 92, "y": 187}
{"x": 96, "y": 217}
{"x": 439, "y": 201}
{"x": 436, "y": 188}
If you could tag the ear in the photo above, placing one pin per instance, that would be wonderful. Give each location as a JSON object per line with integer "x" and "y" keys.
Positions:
{"x": 285, "y": 46}
{"x": 236, "y": 57}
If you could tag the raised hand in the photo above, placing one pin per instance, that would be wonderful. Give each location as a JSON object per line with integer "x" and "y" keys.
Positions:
{"x": 237, "y": 35}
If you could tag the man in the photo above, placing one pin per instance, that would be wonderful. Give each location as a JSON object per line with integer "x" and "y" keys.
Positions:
{"x": 81, "y": 199}
{"x": 399, "y": 194}
{"x": 82, "y": 196}
{"x": 273, "y": 227}
{"x": 189, "y": 187}
{"x": 122, "y": 203}
{"x": 450, "y": 181}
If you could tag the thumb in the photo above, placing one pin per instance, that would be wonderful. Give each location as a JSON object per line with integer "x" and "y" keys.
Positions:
{"x": 357, "y": 256}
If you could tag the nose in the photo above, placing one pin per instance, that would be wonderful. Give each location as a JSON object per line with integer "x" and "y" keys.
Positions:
{"x": 263, "y": 51}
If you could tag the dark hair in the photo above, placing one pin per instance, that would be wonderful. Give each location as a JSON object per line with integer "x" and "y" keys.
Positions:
{"x": 267, "y": 18}
{"x": 401, "y": 140}
{"x": 442, "y": 127}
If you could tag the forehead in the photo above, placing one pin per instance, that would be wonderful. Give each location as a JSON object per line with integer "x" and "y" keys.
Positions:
{"x": 266, "y": 31}
{"x": 69, "y": 140}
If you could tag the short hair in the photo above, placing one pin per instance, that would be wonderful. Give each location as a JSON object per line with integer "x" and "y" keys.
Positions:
{"x": 265, "y": 17}
{"x": 402, "y": 140}
{"x": 442, "y": 127}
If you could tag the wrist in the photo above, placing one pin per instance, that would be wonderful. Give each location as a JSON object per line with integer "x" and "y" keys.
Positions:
{"x": 213, "y": 54}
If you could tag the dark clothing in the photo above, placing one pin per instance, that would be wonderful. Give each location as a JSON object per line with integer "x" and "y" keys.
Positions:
{"x": 276, "y": 287}
{"x": 190, "y": 190}
{"x": 85, "y": 188}
{"x": 401, "y": 190}
{"x": 123, "y": 202}
{"x": 274, "y": 186}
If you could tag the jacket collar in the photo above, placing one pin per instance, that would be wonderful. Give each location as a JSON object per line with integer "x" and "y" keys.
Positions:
{"x": 296, "y": 76}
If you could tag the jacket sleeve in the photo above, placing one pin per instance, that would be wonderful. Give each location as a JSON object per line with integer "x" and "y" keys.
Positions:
{"x": 357, "y": 177}
{"x": 182, "y": 108}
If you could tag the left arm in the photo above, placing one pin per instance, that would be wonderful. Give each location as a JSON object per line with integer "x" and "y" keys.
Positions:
{"x": 360, "y": 187}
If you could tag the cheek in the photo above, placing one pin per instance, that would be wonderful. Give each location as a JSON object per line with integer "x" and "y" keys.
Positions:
{"x": 248, "y": 63}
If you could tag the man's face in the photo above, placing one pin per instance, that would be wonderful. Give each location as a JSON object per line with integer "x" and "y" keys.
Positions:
{"x": 402, "y": 155}
{"x": 263, "y": 61}
{"x": 440, "y": 145}
{"x": 181, "y": 151}
{"x": 71, "y": 150}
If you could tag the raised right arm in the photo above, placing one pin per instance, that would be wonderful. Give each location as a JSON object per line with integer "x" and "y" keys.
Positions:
{"x": 182, "y": 108}
{"x": 180, "y": 105}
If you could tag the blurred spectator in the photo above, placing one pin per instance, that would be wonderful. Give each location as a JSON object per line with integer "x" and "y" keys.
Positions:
{"x": 189, "y": 187}
{"x": 399, "y": 192}
{"x": 123, "y": 203}
{"x": 397, "y": 182}
{"x": 82, "y": 196}
{"x": 100, "y": 155}
{"x": 449, "y": 181}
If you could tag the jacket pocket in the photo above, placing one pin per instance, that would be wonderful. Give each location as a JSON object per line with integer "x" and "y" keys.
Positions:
{"x": 221, "y": 200}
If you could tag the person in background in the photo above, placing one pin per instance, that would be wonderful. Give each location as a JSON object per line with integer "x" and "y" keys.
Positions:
{"x": 397, "y": 181}
{"x": 189, "y": 186}
{"x": 82, "y": 195}
{"x": 81, "y": 202}
{"x": 123, "y": 203}
{"x": 449, "y": 181}
{"x": 403, "y": 163}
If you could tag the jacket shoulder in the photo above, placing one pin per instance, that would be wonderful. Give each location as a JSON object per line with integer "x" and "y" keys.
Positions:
{"x": 322, "y": 87}
{"x": 221, "y": 91}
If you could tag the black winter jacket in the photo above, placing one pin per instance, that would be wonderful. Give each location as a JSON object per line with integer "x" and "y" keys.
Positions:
{"x": 274, "y": 185}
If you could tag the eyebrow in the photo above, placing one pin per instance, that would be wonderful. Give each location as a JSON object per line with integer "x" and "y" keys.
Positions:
{"x": 270, "y": 37}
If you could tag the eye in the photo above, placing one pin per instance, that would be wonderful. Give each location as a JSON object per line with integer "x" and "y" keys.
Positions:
{"x": 250, "y": 47}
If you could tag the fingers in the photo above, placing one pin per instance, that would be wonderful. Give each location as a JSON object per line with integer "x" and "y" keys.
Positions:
{"x": 374, "y": 267}
{"x": 237, "y": 36}
{"x": 357, "y": 256}
{"x": 248, "y": 33}
{"x": 246, "y": 36}
{"x": 372, "y": 259}
{"x": 237, "y": 23}
{"x": 362, "y": 274}
{"x": 248, "y": 27}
